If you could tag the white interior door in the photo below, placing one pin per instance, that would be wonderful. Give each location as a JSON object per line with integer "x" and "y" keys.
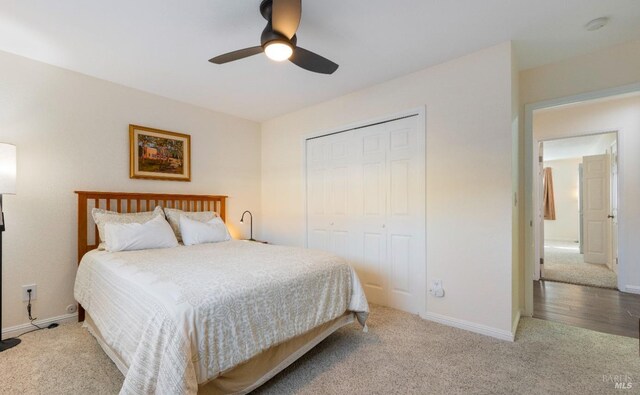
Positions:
{"x": 327, "y": 194}
{"x": 369, "y": 208}
{"x": 596, "y": 208}
{"x": 539, "y": 254}
{"x": 317, "y": 193}
{"x": 405, "y": 222}
{"x": 614, "y": 206}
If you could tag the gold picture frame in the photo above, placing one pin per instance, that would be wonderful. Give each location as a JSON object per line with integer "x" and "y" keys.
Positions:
{"x": 156, "y": 154}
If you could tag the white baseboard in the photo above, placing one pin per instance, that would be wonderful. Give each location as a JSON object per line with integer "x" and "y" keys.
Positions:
{"x": 17, "y": 330}
{"x": 472, "y": 326}
{"x": 634, "y": 289}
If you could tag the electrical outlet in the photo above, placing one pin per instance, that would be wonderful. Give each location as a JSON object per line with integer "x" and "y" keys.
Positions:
{"x": 436, "y": 288}
{"x": 25, "y": 293}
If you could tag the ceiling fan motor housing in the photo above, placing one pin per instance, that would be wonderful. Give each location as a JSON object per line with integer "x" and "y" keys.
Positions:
{"x": 265, "y": 9}
{"x": 268, "y": 34}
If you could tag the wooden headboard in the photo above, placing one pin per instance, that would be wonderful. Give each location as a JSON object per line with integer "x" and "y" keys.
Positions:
{"x": 126, "y": 202}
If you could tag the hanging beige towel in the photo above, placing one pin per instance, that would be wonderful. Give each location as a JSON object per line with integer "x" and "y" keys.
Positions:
{"x": 549, "y": 202}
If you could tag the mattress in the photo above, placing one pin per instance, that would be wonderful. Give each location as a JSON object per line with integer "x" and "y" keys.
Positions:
{"x": 179, "y": 318}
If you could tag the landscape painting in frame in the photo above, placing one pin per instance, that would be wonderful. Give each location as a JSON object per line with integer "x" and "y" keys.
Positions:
{"x": 159, "y": 155}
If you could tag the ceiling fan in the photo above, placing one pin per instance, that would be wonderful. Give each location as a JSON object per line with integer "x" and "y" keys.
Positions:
{"x": 278, "y": 40}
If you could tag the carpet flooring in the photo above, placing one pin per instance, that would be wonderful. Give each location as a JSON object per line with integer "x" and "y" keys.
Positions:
{"x": 564, "y": 263}
{"x": 401, "y": 354}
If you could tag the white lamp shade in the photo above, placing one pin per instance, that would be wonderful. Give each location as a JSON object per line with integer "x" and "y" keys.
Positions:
{"x": 8, "y": 167}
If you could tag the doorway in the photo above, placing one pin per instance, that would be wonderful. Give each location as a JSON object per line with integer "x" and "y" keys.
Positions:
{"x": 578, "y": 181}
{"x": 612, "y": 110}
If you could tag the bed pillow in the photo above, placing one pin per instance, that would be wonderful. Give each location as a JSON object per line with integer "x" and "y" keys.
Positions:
{"x": 155, "y": 233}
{"x": 102, "y": 217}
{"x": 173, "y": 216}
{"x": 196, "y": 232}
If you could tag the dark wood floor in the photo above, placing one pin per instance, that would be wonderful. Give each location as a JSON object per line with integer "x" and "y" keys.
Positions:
{"x": 599, "y": 309}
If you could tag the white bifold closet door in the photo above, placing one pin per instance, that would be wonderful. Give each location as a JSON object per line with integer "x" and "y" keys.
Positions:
{"x": 366, "y": 203}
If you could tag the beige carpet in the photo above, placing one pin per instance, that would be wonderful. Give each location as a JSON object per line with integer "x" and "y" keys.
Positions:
{"x": 401, "y": 354}
{"x": 563, "y": 262}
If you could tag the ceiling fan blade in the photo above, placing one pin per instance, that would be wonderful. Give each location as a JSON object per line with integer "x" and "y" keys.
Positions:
{"x": 312, "y": 62}
{"x": 285, "y": 16}
{"x": 236, "y": 55}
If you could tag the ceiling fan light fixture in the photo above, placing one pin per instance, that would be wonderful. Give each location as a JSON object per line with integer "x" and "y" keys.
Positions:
{"x": 278, "y": 50}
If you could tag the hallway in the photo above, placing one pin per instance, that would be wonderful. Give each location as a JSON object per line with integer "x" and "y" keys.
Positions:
{"x": 598, "y": 309}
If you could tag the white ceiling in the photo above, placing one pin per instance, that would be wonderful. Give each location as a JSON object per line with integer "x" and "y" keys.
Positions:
{"x": 162, "y": 46}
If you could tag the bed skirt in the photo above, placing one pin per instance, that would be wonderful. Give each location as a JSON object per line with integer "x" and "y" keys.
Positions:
{"x": 258, "y": 370}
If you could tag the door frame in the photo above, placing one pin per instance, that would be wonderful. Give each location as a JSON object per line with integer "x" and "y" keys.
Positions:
{"x": 421, "y": 114}
{"x": 530, "y": 160}
{"x": 539, "y": 225}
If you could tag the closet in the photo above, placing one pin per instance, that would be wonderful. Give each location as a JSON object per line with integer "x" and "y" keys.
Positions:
{"x": 366, "y": 203}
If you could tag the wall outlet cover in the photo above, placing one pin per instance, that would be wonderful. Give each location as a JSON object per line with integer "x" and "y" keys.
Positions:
{"x": 34, "y": 292}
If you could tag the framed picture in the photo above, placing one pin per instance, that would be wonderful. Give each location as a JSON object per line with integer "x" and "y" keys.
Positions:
{"x": 159, "y": 155}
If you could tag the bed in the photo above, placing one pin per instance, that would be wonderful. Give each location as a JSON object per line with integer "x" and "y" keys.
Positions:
{"x": 208, "y": 318}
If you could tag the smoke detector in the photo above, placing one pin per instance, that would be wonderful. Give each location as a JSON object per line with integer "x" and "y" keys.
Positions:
{"x": 596, "y": 24}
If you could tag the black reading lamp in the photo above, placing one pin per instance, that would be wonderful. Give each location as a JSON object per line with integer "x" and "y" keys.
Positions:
{"x": 251, "y": 220}
{"x": 7, "y": 186}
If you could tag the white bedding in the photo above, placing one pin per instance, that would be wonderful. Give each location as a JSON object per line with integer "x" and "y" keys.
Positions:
{"x": 178, "y": 317}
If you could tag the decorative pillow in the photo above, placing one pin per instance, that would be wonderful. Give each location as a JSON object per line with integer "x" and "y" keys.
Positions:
{"x": 173, "y": 216}
{"x": 196, "y": 232}
{"x": 101, "y": 217}
{"x": 155, "y": 233}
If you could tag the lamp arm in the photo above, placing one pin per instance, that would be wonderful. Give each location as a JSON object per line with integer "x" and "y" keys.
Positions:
{"x": 251, "y": 220}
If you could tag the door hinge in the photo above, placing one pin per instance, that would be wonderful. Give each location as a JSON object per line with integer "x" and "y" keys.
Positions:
{"x": 541, "y": 261}
{"x": 540, "y": 159}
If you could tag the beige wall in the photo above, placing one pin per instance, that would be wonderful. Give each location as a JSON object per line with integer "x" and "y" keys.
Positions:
{"x": 566, "y": 226}
{"x": 72, "y": 134}
{"x": 607, "y": 68}
{"x": 469, "y": 176}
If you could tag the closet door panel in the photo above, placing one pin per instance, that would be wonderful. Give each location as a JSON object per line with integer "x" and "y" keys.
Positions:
{"x": 405, "y": 215}
{"x": 365, "y": 197}
{"x": 318, "y": 184}
{"x": 318, "y": 239}
{"x": 369, "y": 189}
{"x": 400, "y": 187}
{"x": 400, "y": 257}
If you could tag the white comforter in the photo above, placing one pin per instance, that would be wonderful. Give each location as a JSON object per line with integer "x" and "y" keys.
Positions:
{"x": 178, "y": 317}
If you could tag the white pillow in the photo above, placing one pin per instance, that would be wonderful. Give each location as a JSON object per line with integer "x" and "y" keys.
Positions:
{"x": 173, "y": 216}
{"x": 196, "y": 232}
{"x": 156, "y": 233}
{"x": 102, "y": 217}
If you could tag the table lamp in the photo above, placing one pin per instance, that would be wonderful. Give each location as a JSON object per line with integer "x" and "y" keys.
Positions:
{"x": 251, "y": 219}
